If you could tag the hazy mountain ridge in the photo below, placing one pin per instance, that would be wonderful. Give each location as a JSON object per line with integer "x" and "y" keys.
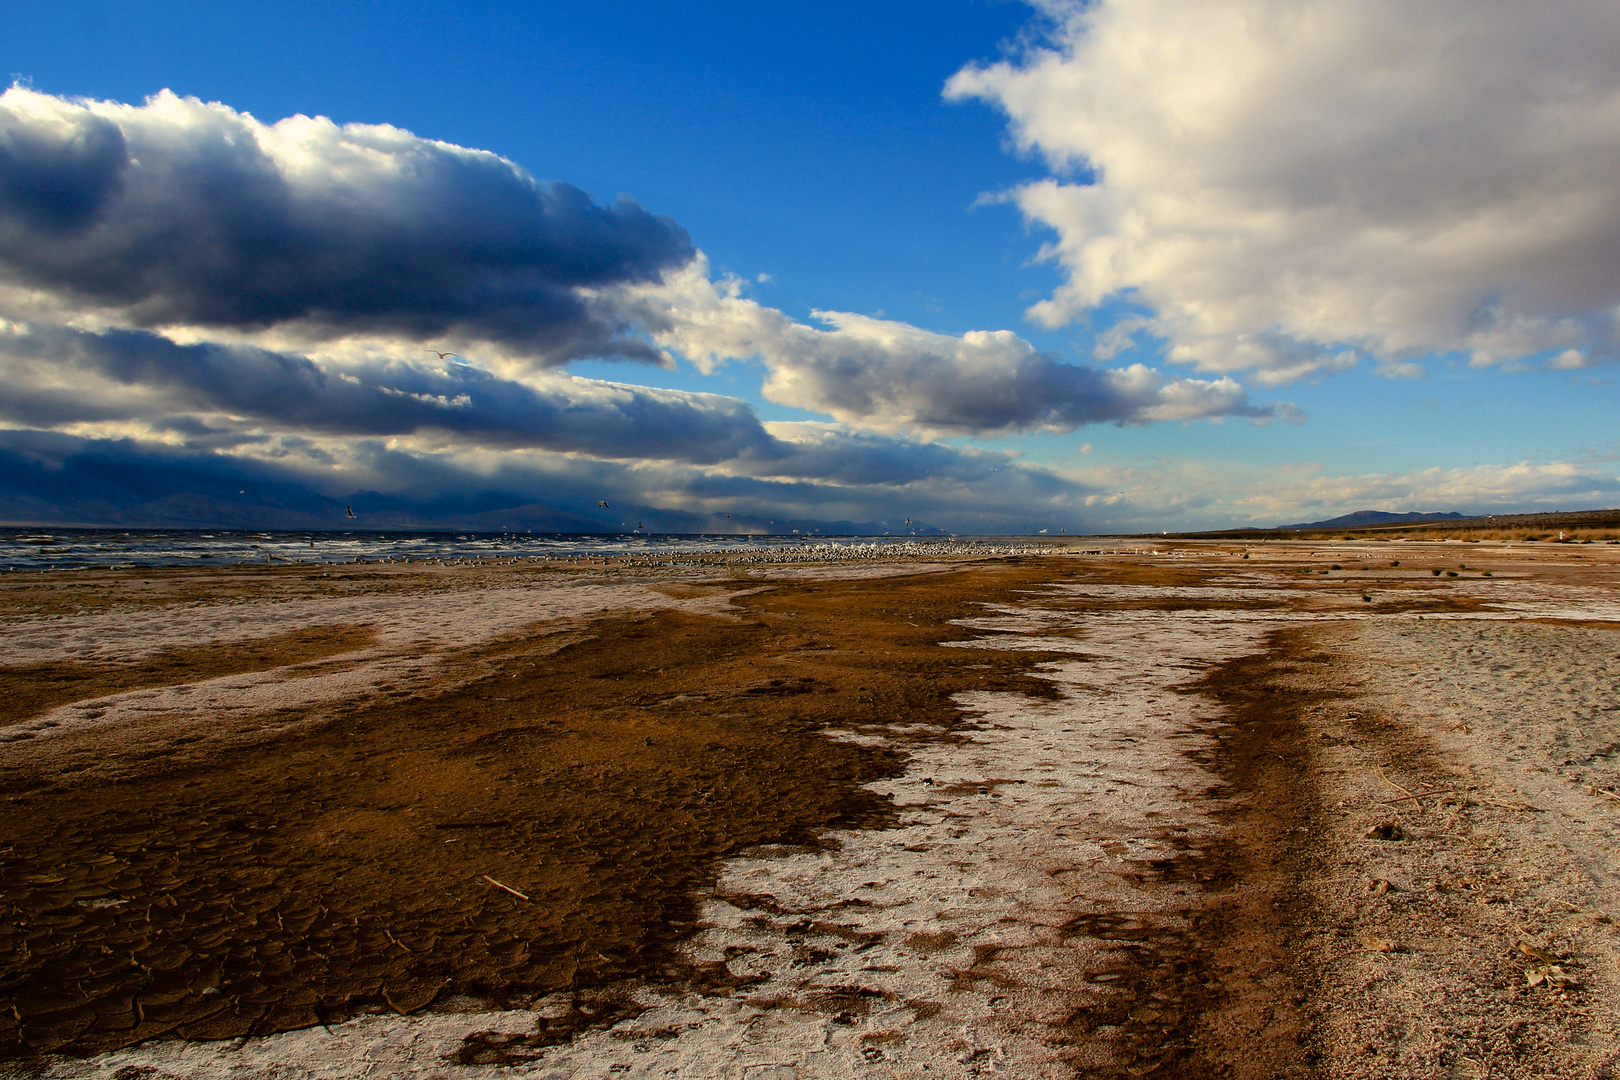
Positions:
{"x": 1373, "y": 517}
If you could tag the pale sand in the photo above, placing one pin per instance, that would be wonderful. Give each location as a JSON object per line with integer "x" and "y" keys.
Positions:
{"x": 958, "y": 943}
{"x": 1515, "y": 728}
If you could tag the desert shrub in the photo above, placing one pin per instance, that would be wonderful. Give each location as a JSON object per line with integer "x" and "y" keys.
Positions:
{"x": 1435, "y": 572}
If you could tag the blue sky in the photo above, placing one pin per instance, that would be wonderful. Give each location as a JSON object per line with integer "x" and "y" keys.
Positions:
{"x": 1349, "y": 325}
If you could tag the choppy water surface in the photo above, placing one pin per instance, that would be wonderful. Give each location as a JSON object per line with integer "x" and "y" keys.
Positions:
{"x": 74, "y": 549}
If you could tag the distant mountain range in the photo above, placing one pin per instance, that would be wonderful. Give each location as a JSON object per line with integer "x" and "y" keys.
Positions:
{"x": 1362, "y": 518}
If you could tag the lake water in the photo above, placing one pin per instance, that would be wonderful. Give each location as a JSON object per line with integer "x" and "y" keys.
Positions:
{"x": 74, "y": 549}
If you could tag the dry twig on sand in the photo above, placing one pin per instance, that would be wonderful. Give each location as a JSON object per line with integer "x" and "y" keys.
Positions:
{"x": 1419, "y": 795}
{"x": 1511, "y": 805}
{"x": 1410, "y": 794}
{"x": 507, "y": 888}
{"x": 1534, "y": 952}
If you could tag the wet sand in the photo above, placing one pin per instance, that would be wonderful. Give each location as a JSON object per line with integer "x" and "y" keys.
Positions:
{"x": 1116, "y": 811}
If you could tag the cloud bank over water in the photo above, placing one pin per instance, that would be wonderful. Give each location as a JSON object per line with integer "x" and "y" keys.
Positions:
{"x": 1287, "y": 186}
{"x": 180, "y": 278}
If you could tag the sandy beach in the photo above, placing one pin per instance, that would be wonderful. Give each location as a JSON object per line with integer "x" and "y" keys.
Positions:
{"x": 1190, "y": 809}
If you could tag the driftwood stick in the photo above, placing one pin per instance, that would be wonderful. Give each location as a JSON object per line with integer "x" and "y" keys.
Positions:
{"x": 1461, "y": 793}
{"x": 1409, "y": 792}
{"x": 1420, "y": 795}
{"x": 1511, "y": 805}
{"x": 507, "y": 888}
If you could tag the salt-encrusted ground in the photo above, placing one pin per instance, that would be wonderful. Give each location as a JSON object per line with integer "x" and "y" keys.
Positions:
{"x": 945, "y": 947}
{"x": 984, "y": 933}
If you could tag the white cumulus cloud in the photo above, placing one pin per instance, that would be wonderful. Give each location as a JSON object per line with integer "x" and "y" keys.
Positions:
{"x": 183, "y": 214}
{"x": 1290, "y": 184}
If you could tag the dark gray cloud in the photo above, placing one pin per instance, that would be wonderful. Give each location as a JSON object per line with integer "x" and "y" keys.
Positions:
{"x": 184, "y": 213}
{"x": 889, "y": 376}
{"x": 834, "y": 454}
{"x": 54, "y": 477}
{"x": 55, "y": 178}
{"x": 53, "y": 375}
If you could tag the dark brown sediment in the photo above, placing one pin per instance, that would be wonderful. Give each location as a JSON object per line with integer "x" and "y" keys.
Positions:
{"x": 1213, "y": 990}
{"x": 350, "y": 864}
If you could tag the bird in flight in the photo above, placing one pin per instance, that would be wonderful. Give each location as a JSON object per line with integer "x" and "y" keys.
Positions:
{"x": 604, "y": 504}
{"x": 350, "y": 509}
{"x": 908, "y": 521}
{"x": 443, "y": 355}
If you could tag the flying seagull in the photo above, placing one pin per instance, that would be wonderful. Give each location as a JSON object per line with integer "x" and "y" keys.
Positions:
{"x": 443, "y": 355}
{"x": 603, "y": 503}
{"x": 350, "y": 509}
{"x": 908, "y": 521}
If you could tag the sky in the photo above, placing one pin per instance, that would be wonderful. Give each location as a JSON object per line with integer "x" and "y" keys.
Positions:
{"x": 988, "y": 266}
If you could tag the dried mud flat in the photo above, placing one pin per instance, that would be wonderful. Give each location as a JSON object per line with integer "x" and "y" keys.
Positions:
{"x": 1318, "y": 811}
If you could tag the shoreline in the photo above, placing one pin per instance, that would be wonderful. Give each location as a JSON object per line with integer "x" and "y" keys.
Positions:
{"x": 1127, "y": 893}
